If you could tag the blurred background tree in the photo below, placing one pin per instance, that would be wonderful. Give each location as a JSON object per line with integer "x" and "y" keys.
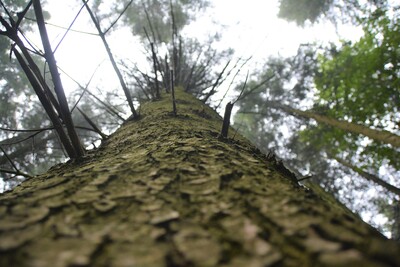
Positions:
{"x": 357, "y": 82}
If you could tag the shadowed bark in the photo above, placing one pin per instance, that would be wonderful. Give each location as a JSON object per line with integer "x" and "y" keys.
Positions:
{"x": 166, "y": 191}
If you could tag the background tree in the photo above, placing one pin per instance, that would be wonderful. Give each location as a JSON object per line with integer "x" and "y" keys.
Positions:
{"x": 313, "y": 11}
{"x": 193, "y": 64}
{"x": 24, "y": 148}
{"x": 342, "y": 84}
{"x": 166, "y": 190}
{"x": 197, "y": 69}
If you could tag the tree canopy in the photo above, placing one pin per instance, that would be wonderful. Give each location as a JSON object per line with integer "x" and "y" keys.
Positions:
{"x": 193, "y": 62}
{"x": 355, "y": 82}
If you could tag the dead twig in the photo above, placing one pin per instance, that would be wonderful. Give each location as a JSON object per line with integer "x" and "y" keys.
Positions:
{"x": 226, "y": 121}
{"x": 17, "y": 171}
{"x": 111, "y": 57}
{"x": 155, "y": 70}
{"x": 92, "y": 124}
{"x": 228, "y": 112}
{"x": 173, "y": 92}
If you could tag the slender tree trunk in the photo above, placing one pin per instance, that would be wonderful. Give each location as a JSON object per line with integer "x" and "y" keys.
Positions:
{"x": 368, "y": 176}
{"x": 378, "y": 135}
{"x": 112, "y": 59}
{"x": 166, "y": 191}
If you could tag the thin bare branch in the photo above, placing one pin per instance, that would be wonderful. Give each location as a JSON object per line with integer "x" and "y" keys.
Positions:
{"x": 111, "y": 110}
{"x": 64, "y": 28}
{"x": 150, "y": 25}
{"x": 255, "y": 87}
{"x": 26, "y": 130}
{"x": 92, "y": 124}
{"x": 119, "y": 16}
{"x": 21, "y": 15}
{"x": 17, "y": 173}
{"x": 243, "y": 88}
{"x": 233, "y": 79}
{"x": 114, "y": 64}
{"x": 69, "y": 28}
{"x": 212, "y": 91}
{"x": 45, "y": 103}
{"x": 155, "y": 70}
{"x": 173, "y": 92}
{"x": 85, "y": 88}
{"x": 9, "y": 160}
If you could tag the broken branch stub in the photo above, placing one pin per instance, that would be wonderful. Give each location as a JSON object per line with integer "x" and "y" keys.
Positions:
{"x": 227, "y": 118}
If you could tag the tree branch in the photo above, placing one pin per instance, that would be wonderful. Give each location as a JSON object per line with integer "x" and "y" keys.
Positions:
{"x": 58, "y": 87}
{"x": 114, "y": 64}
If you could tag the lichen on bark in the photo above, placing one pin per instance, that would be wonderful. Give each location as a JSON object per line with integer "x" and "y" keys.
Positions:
{"x": 165, "y": 190}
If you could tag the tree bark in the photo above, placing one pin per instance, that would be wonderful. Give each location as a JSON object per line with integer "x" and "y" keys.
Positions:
{"x": 166, "y": 191}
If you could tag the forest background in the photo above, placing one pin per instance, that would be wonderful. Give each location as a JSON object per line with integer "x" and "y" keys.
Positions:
{"x": 333, "y": 59}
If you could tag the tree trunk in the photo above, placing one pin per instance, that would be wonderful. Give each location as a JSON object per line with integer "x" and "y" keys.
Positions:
{"x": 378, "y": 135}
{"x": 165, "y": 190}
{"x": 368, "y": 176}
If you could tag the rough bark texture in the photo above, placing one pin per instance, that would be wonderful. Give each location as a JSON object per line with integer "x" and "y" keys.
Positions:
{"x": 165, "y": 191}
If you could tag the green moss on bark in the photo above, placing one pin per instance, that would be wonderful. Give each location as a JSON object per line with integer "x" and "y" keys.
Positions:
{"x": 164, "y": 190}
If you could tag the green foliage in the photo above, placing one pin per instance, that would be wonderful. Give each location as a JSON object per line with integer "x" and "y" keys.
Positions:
{"x": 360, "y": 82}
{"x": 156, "y": 17}
{"x": 356, "y": 82}
{"x": 284, "y": 80}
{"x": 300, "y": 11}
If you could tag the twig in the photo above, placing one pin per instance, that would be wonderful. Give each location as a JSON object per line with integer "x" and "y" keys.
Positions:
{"x": 92, "y": 124}
{"x": 150, "y": 25}
{"x": 85, "y": 89}
{"x": 108, "y": 107}
{"x": 26, "y": 130}
{"x": 8, "y": 14}
{"x": 233, "y": 79}
{"x": 16, "y": 173}
{"x": 69, "y": 28}
{"x": 216, "y": 83}
{"x": 243, "y": 88}
{"x": 10, "y": 141}
{"x": 228, "y": 111}
{"x": 114, "y": 64}
{"x": 64, "y": 28}
{"x": 227, "y": 118}
{"x": 304, "y": 178}
{"x": 155, "y": 70}
{"x": 45, "y": 102}
{"x": 173, "y": 91}
{"x": 119, "y": 16}
{"x": 255, "y": 88}
{"x": 174, "y": 36}
{"x": 21, "y": 15}
{"x": 9, "y": 160}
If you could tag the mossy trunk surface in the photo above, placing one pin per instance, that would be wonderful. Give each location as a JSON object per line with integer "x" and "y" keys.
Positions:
{"x": 166, "y": 191}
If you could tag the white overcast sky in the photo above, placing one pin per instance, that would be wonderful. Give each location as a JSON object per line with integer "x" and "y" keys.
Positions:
{"x": 250, "y": 27}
